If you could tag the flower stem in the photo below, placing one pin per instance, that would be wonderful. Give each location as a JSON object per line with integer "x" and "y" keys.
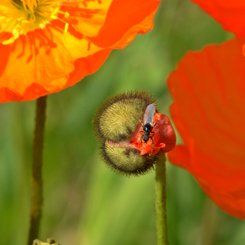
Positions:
{"x": 160, "y": 202}
{"x": 37, "y": 162}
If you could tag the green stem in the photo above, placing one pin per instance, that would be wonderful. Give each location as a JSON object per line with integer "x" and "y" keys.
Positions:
{"x": 160, "y": 202}
{"x": 37, "y": 162}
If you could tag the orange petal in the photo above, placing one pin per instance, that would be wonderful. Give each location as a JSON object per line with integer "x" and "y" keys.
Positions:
{"x": 49, "y": 69}
{"x": 5, "y": 52}
{"x": 130, "y": 17}
{"x": 208, "y": 92}
{"x": 87, "y": 65}
{"x": 91, "y": 17}
{"x": 229, "y": 13}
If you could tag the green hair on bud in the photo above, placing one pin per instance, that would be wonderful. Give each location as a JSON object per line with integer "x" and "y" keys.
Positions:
{"x": 115, "y": 123}
{"x": 118, "y": 117}
{"x": 126, "y": 159}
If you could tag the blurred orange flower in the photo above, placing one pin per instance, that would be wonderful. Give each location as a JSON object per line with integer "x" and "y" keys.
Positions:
{"x": 48, "y": 45}
{"x": 208, "y": 90}
{"x": 230, "y": 13}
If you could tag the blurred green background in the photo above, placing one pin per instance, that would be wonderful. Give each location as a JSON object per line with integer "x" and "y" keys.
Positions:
{"x": 86, "y": 203}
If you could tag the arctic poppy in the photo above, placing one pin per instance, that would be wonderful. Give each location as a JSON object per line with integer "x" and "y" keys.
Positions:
{"x": 208, "y": 91}
{"x": 47, "y": 45}
{"x": 230, "y": 13}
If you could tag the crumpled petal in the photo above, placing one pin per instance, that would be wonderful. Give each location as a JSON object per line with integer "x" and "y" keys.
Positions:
{"x": 230, "y": 13}
{"x": 161, "y": 139}
{"x": 208, "y": 90}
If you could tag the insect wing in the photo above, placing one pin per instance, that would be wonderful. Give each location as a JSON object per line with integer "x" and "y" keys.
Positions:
{"x": 149, "y": 114}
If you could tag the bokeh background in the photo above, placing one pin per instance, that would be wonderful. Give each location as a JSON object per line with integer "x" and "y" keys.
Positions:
{"x": 86, "y": 203}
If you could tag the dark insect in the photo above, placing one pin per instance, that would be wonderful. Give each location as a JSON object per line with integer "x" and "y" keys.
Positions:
{"x": 148, "y": 122}
{"x": 147, "y": 128}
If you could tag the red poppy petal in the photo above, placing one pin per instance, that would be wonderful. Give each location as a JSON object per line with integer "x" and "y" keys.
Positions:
{"x": 125, "y": 15}
{"x": 208, "y": 91}
{"x": 179, "y": 156}
{"x": 229, "y": 13}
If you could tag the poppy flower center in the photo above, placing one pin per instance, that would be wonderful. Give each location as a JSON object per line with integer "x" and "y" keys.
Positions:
{"x": 21, "y": 16}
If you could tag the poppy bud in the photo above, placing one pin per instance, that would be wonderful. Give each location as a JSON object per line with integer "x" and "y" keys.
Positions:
{"x": 133, "y": 132}
{"x": 163, "y": 137}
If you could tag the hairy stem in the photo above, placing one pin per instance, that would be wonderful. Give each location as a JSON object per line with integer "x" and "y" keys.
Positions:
{"x": 160, "y": 202}
{"x": 37, "y": 162}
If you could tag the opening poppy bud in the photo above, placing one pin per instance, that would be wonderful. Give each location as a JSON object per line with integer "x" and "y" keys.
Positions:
{"x": 161, "y": 139}
{"x": 133, "y": 132}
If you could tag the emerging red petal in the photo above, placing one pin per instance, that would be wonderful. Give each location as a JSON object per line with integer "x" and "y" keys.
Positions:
{"x": 208, "y": 92}
{"x": 229, "y": 13}
{"x": 162, "y": 138}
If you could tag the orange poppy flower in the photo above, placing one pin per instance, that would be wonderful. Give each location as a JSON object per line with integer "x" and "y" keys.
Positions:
{"x": 48, "y": 45}
{"x": 230, "y": 13}
{"x": 208, "y": 90}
